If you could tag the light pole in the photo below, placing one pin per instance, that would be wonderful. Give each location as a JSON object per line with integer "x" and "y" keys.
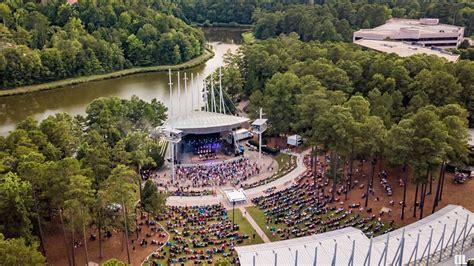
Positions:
{"x": 259, "y": 126}
{"x": 185, "y": 92}
{"x": 233, "y": 216}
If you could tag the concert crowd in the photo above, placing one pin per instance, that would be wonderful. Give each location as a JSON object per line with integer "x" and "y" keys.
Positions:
{"x": 210, "y": 175}
{"x": 306, "y": 208}
{"x": 199, "y": 234}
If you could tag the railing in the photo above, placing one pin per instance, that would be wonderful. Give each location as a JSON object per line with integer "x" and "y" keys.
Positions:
{"x": 455, "y": 244}
{"x": 233, "y": 159}
{"x": 447, "y": 252}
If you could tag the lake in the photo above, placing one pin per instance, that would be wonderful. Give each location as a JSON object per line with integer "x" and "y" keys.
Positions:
{"x": 74, "y": 99}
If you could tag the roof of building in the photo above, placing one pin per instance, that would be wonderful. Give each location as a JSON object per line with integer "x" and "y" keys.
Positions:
{"x": 426, "y": 25}
{"x": 404, "y": 49}
{"x": 286, "y": 250}
{"x": 326, "y": 243}
{"x": 259, "y": 122}
{"x": 200, "y": 122}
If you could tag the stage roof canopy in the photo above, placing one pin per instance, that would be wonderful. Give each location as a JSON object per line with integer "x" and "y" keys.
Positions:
{"x": 200, "y": 122}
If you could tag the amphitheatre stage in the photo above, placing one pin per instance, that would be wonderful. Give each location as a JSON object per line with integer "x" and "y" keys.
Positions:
{"x": 204, "y": 136}
{"x": 205, "y": 149}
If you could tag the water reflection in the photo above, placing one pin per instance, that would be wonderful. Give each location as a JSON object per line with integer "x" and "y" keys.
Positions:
{"x": 74, "y": 99}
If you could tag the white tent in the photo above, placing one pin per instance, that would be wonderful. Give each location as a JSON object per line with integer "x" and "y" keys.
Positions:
{"x": 236, "y": 195}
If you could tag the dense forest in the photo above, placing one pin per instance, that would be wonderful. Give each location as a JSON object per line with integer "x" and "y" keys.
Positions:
{"x": 357, "y": 104}
{"x": 41, "y": 43}
{"x": 70, "y": 170}
{"x": 336, "y": 20}
{"x": 400, "y": 85}
{"x": 319, "y": 19}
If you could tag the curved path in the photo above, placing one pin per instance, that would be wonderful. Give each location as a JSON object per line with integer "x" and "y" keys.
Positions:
{"x": 282, "y": 182}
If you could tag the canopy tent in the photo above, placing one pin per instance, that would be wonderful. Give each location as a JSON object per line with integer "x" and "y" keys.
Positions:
{"x": 236, "y": 196}
{"x": 301, "y": 251}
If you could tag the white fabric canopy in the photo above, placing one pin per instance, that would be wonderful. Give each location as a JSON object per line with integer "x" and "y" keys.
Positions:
{"x": 236, "y": 196}
{"x": 286, "y": 250}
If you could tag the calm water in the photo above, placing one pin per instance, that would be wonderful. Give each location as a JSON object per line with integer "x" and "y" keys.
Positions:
{"x": 74, "y": 99}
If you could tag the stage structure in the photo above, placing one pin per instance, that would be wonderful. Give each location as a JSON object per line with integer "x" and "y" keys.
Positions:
{"x": 169, "y": 133}
{"x": 198, "y": 131}
{"x": 259, "y": 126}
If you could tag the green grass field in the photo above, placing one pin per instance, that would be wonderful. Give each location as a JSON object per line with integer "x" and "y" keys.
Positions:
{"x": 259, "y": 218}
{"x": 282, "y": 159}
{"x": 244, "y": 228}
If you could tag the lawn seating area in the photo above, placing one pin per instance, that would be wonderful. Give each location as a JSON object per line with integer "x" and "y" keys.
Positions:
{"x": 305, "y": 209}
{"x": 202, "y": 235}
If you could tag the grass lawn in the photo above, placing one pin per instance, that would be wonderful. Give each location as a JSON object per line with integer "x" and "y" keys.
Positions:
{"x": 259, "y": 218}
{"x": 282, "y": 159}
{"x": 284, "y": 164}
{"x": 245, "y": 228}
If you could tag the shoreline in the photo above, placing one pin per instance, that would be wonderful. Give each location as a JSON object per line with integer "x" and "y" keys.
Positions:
{"x": 208, "y": 54}
{"x": 222, "y": 25}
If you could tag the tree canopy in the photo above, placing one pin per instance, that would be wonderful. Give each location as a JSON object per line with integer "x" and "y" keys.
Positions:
{"x": 15, "y": 251}
{"x": 41, "y": 43}
{"x": 283, "y": 72}
{"x": 77, "y": 167}
{"x": 324, "y": 20}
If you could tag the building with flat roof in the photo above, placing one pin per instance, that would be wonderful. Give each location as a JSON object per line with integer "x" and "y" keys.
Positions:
{"x": 426, "y": 32}
{"x": 405, "y": 49}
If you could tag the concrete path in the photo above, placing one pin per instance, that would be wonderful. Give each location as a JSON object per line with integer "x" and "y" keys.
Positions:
{"x": 280, "y": 183}
{"x": 254, "y": 225}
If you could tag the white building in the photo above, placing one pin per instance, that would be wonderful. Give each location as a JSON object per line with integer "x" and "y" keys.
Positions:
{"x": 404, "y": 49}
{"x": 431, "y": 241}
{"x": 427, "y": 32}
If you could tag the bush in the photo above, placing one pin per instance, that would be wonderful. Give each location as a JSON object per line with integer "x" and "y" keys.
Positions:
{"x": 267, "y": 149}
{"x": 270, "y": 150}
{"x": 253, "y": 142}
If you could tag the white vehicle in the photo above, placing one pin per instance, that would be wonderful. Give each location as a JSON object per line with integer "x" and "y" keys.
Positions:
{"x": 295, "y": 140}
{"x": 238, "y": 135}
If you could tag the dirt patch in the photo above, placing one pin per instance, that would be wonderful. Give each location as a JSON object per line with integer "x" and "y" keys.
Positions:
{"x": 113, "y": 247}
{"x": 458, "y": 194}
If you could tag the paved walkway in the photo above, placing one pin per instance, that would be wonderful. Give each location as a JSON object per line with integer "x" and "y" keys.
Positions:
{"x": 254, "y": 225}
{"x": 280, "y": 183}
